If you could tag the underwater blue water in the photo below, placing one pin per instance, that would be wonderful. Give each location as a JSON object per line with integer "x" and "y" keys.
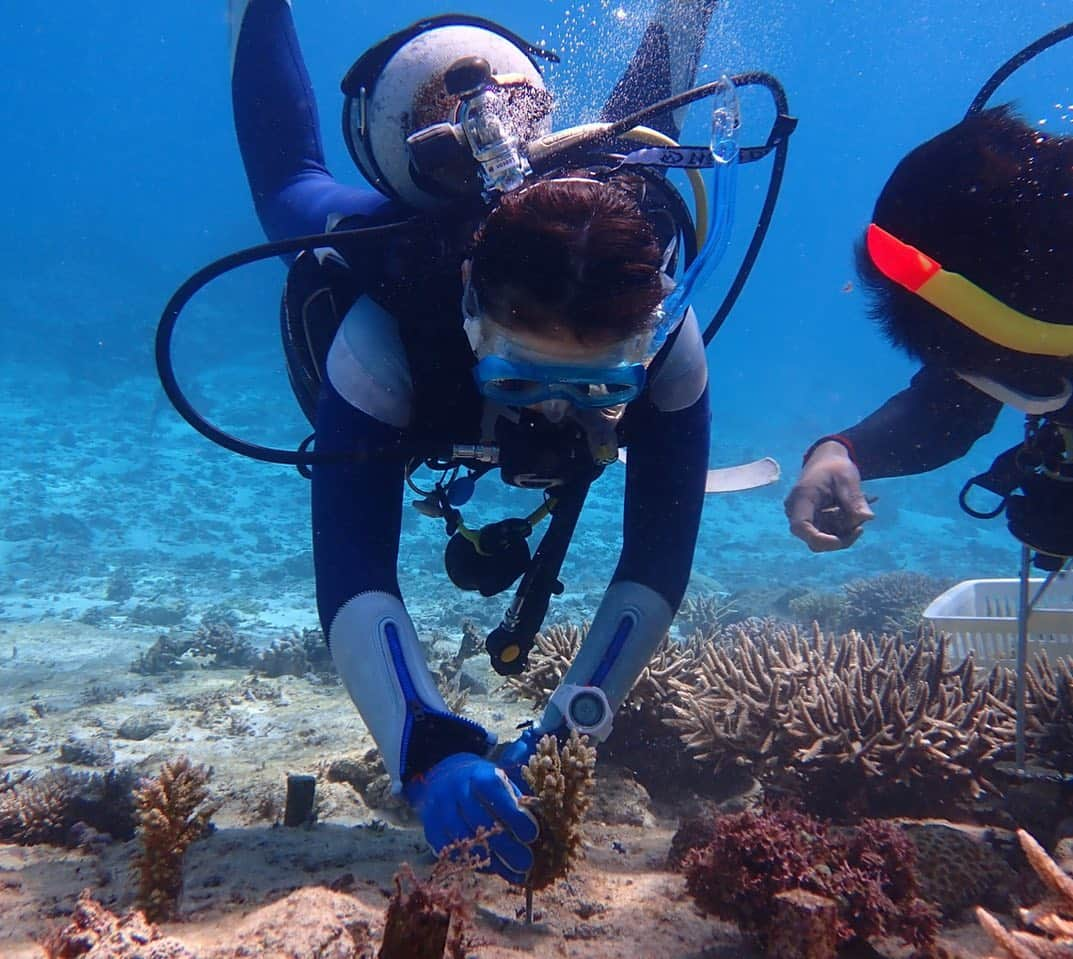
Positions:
{"x": 123, "y": 177}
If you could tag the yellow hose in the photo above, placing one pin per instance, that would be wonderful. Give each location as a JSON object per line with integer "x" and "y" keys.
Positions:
{"x": 696, "y": 181}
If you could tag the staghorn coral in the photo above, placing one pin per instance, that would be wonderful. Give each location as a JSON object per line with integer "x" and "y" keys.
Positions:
{"x": 867, "y": 872}
{"x": 817, "y": 606}
{"x": 554, "y": 650}
{"x": 429, "y": 919}
{"x": 562, "y": 783}
{"x": 1053, "y": 918}
{"x": 172, "y": 813}
{"x": 214, "y": 643}
{"x": 848, "y": 724}
{"x": 45, "y": 809}
{"x": 889, "y": 602}
{"x": 705, "y": 614}
{"x": 1050, "y": 710}
{"x": 640, "y": 739}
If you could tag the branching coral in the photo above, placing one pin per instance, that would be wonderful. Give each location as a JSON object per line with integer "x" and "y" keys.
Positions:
{"x": 852, "y": 723}
{"x": 890, "y": 602}
{"x": 641, "y": 714}
{"x": 704, "y": 614}
{"x": 561, "y": 781}
{"x": 554, "y": 650}
{"x": 43, "y": 809}
{"x": 1053, "y": 918}
{"x": 215, "y": 643}
{"x": 429, "y": 919}
{"x": 640, "y": 738}
{"x": 867, "y": 872}
{"x": 1050, "y": 719}
{"x": 172, "y": 813}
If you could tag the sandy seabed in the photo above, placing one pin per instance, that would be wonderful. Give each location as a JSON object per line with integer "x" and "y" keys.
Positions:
{"x": 62, "y": 680}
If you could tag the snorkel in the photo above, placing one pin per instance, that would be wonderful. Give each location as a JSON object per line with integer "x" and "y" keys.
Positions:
{"x": 723, "y": 151}
{"x": 962, "y": 300}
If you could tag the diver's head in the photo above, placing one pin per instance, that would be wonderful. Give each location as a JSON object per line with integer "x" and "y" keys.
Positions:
{"x": 562, "y": 295}
{"x": 397, "y": 88}
{"x": 990, "y": 199}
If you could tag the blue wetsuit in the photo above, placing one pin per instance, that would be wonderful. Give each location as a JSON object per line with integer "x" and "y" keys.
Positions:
{"x": 372, "y": 394}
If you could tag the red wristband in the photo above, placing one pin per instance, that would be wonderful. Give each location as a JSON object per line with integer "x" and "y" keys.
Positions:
{"x": 833, "y": 438}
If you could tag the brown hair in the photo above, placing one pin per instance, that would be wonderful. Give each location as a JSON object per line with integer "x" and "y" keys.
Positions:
{"x": 578, "y": 251}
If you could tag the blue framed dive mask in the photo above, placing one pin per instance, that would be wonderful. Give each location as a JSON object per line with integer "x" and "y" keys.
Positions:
{"x": 521, "y": 383}
{"x": 514, "y": 374}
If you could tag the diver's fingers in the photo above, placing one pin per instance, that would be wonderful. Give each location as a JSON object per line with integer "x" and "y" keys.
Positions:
{"x": 851, "y": 498}
{"x": 818, "y": 541}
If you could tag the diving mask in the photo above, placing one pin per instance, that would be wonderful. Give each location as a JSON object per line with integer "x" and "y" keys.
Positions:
{"x": 515, "y": 374}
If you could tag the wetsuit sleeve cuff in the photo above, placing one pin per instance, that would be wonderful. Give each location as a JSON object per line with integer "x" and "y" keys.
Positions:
{"x": 832, "y": 438}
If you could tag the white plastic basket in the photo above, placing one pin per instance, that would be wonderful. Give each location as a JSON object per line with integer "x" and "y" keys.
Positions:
{"x": 981, "y": 615}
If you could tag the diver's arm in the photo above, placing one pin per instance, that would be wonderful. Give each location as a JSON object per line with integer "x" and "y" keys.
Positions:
{"x": 665, "y": 63}
{"x": 357, "y": 511}
{"x": 932, "y": 422}
{"x": 669, "y": 437}
{"x": 278, "y": 128}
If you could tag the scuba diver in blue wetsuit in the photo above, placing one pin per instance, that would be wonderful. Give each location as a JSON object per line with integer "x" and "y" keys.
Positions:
{"x": 505, "y": 298}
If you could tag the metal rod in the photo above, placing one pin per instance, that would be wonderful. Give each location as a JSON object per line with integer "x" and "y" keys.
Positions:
{"x": 1024, "y": 608}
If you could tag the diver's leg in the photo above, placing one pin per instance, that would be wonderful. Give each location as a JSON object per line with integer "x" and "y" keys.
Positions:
{"x": 665, "y": 63}
{"x": 278, "y": 128}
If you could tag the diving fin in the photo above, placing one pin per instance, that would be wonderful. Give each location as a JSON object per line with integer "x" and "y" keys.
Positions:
{"x": 734, "y": 479}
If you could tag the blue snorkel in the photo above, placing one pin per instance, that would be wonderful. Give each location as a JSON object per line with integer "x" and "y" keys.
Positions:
{"x": 726, "y": 119}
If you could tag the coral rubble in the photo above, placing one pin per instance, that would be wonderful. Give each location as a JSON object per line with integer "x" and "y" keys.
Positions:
{"x": 866, "y": 872}
{"x": 95, "y": 933}
{"x": 1053, "y": 918}
{"x": 562, "y": 783}
{"x": 172, "y": 812}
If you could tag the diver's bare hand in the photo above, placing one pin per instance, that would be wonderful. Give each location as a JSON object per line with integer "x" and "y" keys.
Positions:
{"x": 827, "y": 508}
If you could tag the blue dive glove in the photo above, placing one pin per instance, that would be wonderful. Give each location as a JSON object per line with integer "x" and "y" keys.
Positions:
{"x": 515, "y": 756}
{"x": 464, "y": 792}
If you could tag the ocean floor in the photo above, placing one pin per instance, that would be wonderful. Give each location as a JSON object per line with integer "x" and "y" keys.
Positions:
{"x": 119, "y": 524}
{"x": 67, "y": 692}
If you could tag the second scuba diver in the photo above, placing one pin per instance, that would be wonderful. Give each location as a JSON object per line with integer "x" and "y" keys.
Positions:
{"x": 526, "y": 331}
{"x": 969, "y": 263}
